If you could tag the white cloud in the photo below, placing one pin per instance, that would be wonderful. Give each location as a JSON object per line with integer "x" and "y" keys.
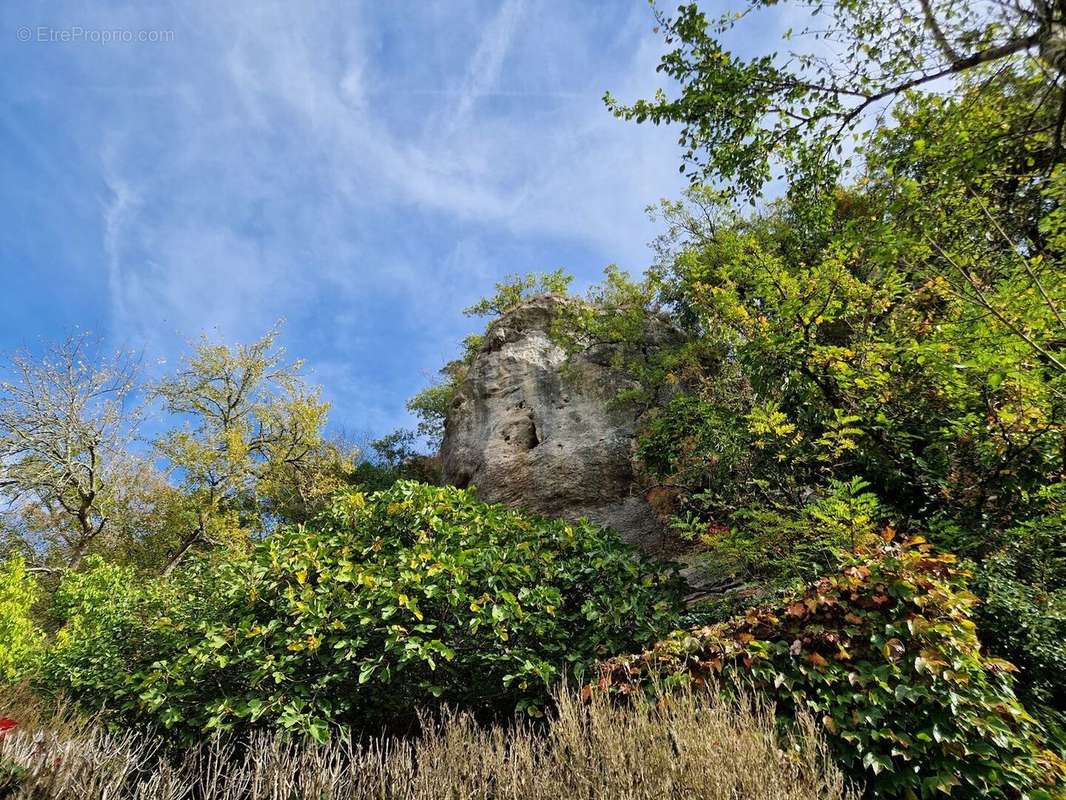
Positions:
{"x": 483, "y": 71}
{"x": 121, "y": 204}
{"x": 304, "y": 166}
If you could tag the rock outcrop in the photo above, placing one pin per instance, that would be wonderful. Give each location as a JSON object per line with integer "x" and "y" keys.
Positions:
{"x": 531, "y": 434}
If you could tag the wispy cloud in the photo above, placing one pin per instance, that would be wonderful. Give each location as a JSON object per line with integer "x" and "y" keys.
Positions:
{"x": 365, "y": 172}
{"x": 116, "y": 210}
{"x": 484, "y": 69}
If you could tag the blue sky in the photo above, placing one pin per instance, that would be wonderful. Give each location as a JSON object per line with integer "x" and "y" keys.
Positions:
{"x": 362, "y": 170}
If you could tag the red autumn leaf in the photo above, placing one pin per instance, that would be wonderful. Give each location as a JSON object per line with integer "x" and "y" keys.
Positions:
{"x": 6, "y": 724}
{"x": 714, "y": 529}
{"x": 817, "y": 660}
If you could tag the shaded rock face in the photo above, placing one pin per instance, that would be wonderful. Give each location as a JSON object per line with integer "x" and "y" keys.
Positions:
{"x": 530, "y": 434}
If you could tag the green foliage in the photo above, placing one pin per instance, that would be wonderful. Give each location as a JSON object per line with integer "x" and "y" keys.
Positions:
{"x": 21, "y": 642}
{"x": 767, "y": 550}
{"x": 106, "y": 615}
{"x": 742, "y": 117}
{"x": 387, "y": 603}
{"x": 884, "y": 653}
{"x": 617, "y": 323}
{"x": 246, "y": 451}
{"x": 396, "y": 456}
{"x": 432, "y": 403}
{"x": 515, "y": 289}
{"x": 252, "y": 443}
{"x": 854, "y": 363}
{"x": 396, "y": 448}
{"x": 906, "y": 330}
{"x": 1023, "y": 585}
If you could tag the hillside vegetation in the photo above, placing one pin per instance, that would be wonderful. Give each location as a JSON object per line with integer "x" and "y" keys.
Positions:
{"x": 859, "y": 434}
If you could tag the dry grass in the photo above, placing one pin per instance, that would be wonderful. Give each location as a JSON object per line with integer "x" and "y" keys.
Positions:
{"x": 692, "y": 747}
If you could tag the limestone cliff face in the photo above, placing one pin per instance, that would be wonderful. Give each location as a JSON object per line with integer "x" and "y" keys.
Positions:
{"x": 527, "y": 433}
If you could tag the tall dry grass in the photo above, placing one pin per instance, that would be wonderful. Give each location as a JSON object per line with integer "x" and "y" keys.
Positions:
{"x": 691, "y": 747}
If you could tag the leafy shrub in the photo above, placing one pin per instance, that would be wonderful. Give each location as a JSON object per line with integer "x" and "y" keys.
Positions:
{"x": 20, "y": 639}
{"x": 769, "y": 551}
{"x": 106, "y": 615}
{"x": 388, "y": 602}
{"x": 1023, "y": 613}
{"x": 884, "y": 653}
{"x": 695, "y": 747}
{"x": 698, "y": 443}
{"x": 396, "y": 456}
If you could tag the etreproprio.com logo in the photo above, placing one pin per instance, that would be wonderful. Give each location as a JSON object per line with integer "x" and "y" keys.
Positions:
{"x": 77, "y": 33}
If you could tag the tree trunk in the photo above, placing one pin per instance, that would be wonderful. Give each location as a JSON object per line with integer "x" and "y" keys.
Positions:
{"x": 186, "y": 545}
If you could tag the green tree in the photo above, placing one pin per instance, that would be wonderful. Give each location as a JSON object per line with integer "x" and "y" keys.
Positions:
{"x": 740, "y": 116}
{"x": 252, "y": 429}
{"x": 301, "y": 488}
{"x": 393, "y": 457}
{"x": 431, "y": 405}
{"x": 898, "y": 321}
{"x": 148, "y": 514}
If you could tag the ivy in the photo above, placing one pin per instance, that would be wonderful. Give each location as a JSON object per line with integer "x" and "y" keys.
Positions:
{"x": 884, "y": 653}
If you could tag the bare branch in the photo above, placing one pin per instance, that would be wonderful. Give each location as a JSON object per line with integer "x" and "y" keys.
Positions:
{"x": 63, "y": 417}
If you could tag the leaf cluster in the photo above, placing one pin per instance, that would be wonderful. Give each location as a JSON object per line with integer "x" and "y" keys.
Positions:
{"x": 21, "y": 640}
{"x": 883, "y": 651}
{"x": 387, "y": 603}
{"x": 803, "y": 108}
